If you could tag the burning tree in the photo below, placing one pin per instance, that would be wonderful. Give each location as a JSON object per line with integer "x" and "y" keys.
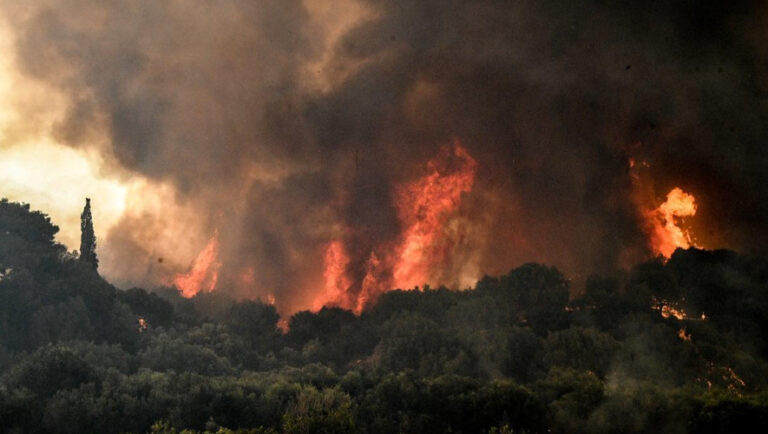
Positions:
{"x": 87, "y": 237}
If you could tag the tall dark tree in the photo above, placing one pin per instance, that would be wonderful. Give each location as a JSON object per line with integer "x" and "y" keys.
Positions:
{"x": 87, "y": 237}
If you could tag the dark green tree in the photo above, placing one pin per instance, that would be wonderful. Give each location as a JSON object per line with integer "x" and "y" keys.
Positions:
{"x": 87, "y": 237}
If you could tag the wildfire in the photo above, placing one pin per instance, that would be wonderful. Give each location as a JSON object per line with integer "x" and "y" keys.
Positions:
{"x": 373, "y": 283}
{"x": 335, "y": 275}
{"x": 724, "y": 376}
{"x": 669, "y": 311}
{"x": 143, "y": 324}
{"x": 204, "y": 272}
{"x": 424, "y": 208}
{"x": 665, "y": 234}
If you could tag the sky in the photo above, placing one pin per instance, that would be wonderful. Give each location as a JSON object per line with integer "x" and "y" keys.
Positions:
{"x": 289, "y": 133}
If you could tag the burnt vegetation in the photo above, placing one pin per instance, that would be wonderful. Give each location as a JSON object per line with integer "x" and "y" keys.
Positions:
{"x": 675, "y": 346}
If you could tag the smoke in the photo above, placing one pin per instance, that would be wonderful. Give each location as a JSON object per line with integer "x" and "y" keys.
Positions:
{"x": 284, "y": 125}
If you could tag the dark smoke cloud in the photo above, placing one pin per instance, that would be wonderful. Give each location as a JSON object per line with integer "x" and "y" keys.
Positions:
{"x": 551, "y": 98}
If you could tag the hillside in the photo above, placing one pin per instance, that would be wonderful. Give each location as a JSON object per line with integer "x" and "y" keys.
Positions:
{"x": 668, "y": 346}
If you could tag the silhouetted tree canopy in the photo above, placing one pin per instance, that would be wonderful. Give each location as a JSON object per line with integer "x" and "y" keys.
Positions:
{"x": 675, "y": 346}
{"x": 88, "y": 237}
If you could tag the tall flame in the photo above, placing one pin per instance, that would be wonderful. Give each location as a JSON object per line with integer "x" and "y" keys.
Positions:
{"x": 335, "y": 275}
{"x": 204, "y": 272}
{"x": 424, "y": 207}
{"x": 374, "y": 282}
{"x": 665, "y": 234}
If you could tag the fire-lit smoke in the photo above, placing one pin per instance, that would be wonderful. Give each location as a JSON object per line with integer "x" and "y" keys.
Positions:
{"x": 204, "y": 273}
{"x": 310, "y": 133}
{"x": 424, "y": 207}
{"x": 335, "y": 276}
{"x": 666, "y": 235}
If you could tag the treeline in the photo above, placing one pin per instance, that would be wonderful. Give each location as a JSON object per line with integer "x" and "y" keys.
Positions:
{"x": 677, "y": 346}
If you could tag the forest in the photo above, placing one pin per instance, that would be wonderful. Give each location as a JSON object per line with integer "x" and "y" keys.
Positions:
{"x": 678, "y": 345}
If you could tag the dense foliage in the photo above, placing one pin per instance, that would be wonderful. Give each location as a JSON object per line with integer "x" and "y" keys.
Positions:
{"x": 87, "y": 237}
{"x": 677, "y": 346}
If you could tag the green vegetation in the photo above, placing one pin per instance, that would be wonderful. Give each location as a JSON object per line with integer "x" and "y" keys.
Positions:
{"x": 515, "y": 354}
{"x": 87, "y": 237}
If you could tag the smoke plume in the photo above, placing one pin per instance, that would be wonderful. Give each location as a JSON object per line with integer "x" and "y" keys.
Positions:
{"x": 286, "y": 126}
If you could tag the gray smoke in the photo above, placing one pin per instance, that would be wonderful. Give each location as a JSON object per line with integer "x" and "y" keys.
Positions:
{"x": 551, "y": 98}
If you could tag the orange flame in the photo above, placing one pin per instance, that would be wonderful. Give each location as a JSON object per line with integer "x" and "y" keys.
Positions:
{"x": 669, "y": 311}
{"x": 373, "y": 284}
{"x": 143, "y": 324}
{"x": 204, "y": 272}
{"x": 335, "y": 275}
{"x": 665, "y": 234}
{"x": 423, "y": 207}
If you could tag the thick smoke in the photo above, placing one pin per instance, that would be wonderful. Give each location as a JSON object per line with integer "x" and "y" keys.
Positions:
{"x": 286, "y": 124}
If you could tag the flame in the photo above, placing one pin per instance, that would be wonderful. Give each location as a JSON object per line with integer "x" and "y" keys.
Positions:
{"x": 724, "y": 376}
{"x": 373, "y": 283}
{"x": 668, "y": 311}
{"x": 682, "y": 334}
{"x": 665, "y": 234}
{"x": 143, "y": 324}
{"x": 661, "y": 222}
{"x": 269, "y": 299}
{"x": 733, "y": 378}
{"x": 424, "y": 206}
{"x": 335, "y": 276}
{"x": 204, "y": 272}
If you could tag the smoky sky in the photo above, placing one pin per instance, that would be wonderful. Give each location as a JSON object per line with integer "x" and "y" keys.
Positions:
{"x": 551, "y": 98}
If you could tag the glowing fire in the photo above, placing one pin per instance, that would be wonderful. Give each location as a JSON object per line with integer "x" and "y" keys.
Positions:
{"x": 725, "y": 376}
{"x": 669, "y": 311}
{"x": 373, "y": 283}
{"x": 335, "y": 275}
{"x": 424, "y": 208}
{"x": 204, "y": 272}
{"x": 143, "y": 324}
{"x": 665, "y": 234}
{"x": 733, "y": 378}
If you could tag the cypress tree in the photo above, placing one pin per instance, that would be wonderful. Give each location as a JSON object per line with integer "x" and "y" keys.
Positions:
{"x": 87, "y": 237}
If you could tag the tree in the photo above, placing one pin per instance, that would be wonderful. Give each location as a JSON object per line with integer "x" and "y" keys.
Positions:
{"x": 87, "y": 237}
{"x": 328, "y": 410}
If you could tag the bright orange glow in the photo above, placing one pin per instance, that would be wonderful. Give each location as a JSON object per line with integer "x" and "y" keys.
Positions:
{"x": 335, "y": 276}
{"x": 734, "y": 379}
{"x": 204, "y": 272}
{"x": 682, "y": 334}
{"x": 724, "y": 376}
{"x": 282, "y": 324}
{"x": 665, "y": 234}
{"x": 269, "y": 299}
{"x": 143, "y": 324}
{"x": 424, "y": 207}
{"x": 669, "y": 311}
{"x": 373, "y": 284}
